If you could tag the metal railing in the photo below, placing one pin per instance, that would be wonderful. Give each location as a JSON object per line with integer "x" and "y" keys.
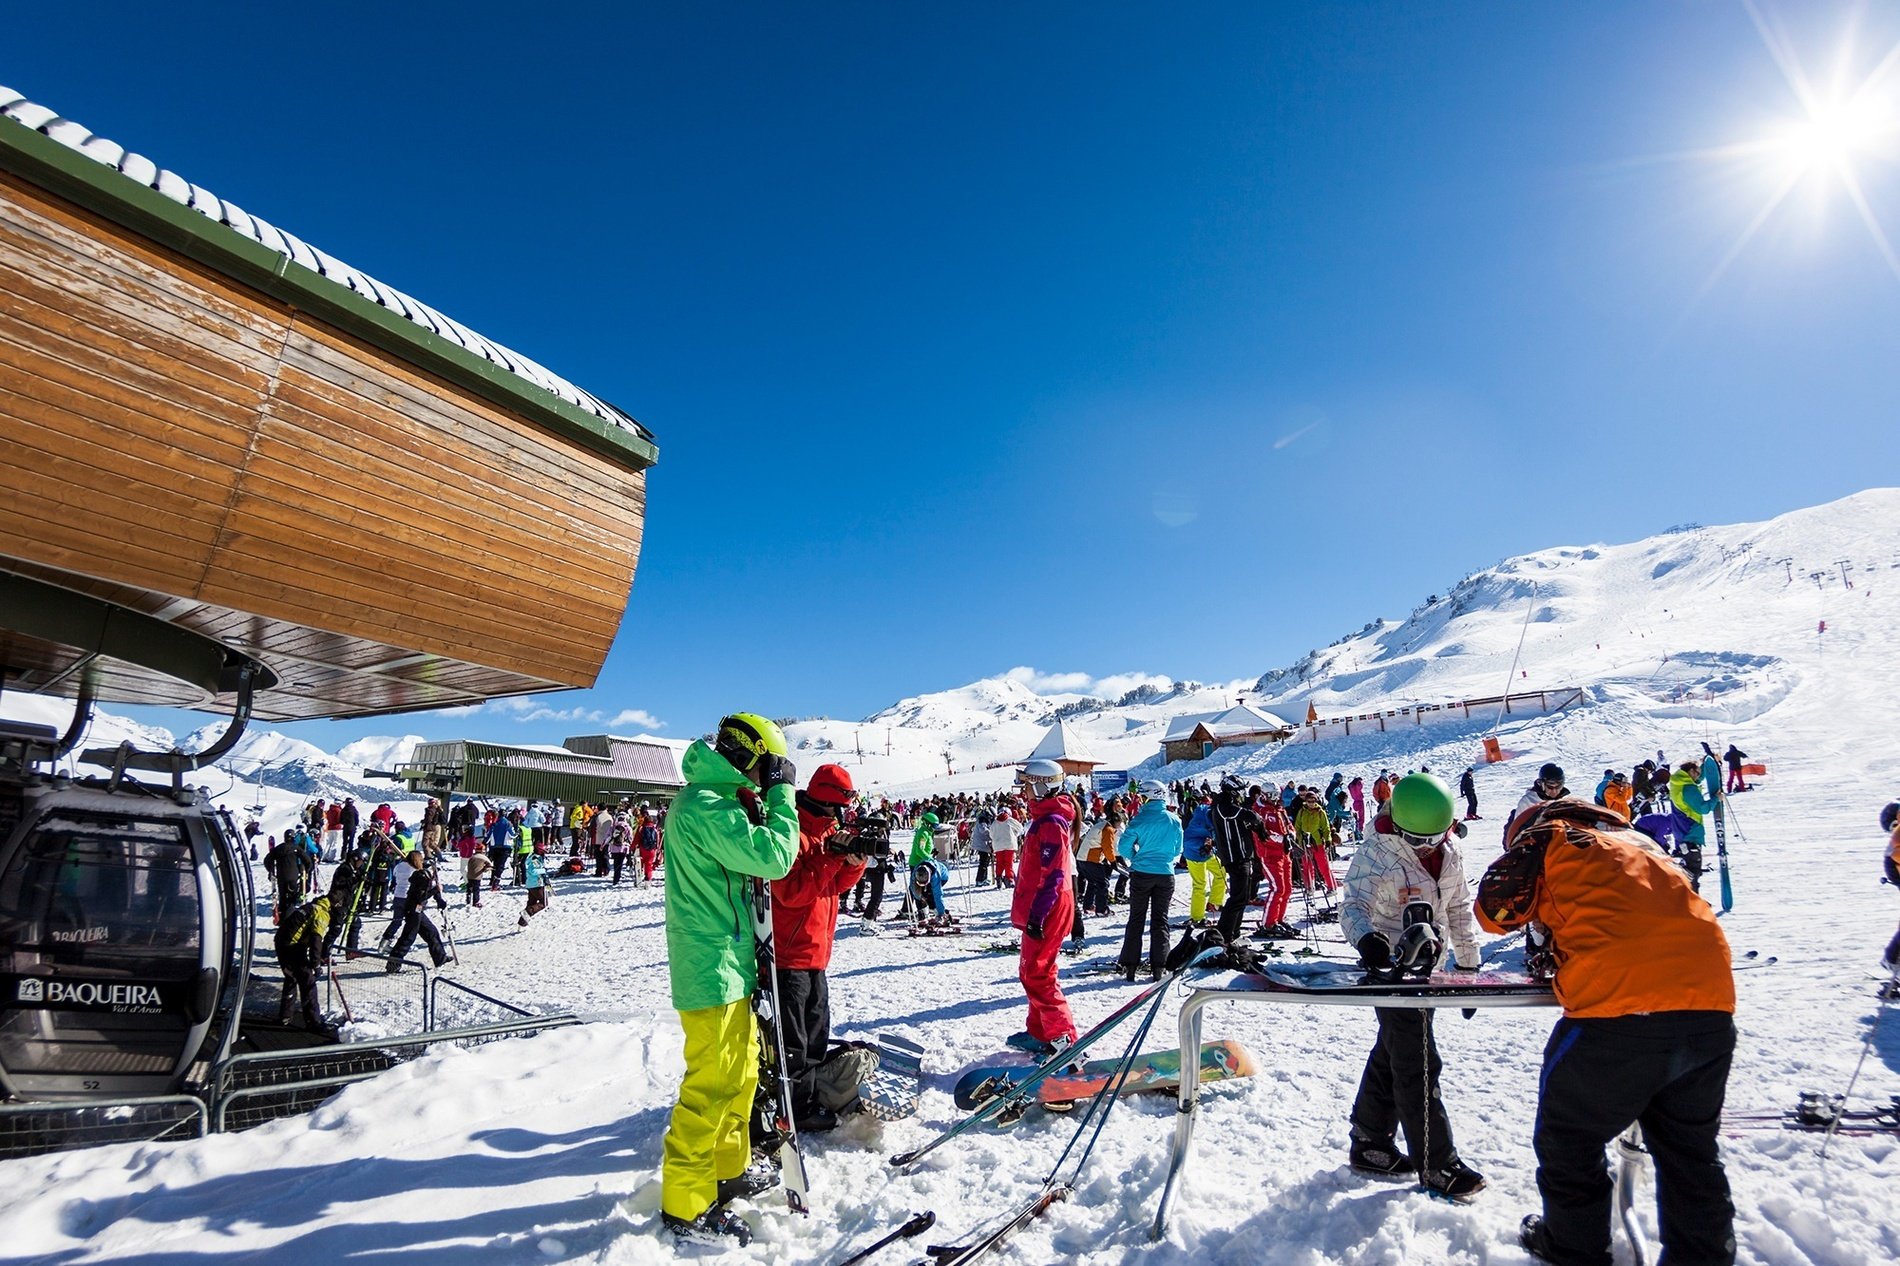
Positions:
{"x": 249, "y": 1090}
{"x": 435, "y": 983}
{"x": 33, "y": 1129}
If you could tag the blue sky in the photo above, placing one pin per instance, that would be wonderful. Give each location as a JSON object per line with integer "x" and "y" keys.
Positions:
{"x": 1098, "y": 339}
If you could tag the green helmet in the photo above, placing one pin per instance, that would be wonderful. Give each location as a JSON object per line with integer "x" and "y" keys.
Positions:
{"x": 1422, "y": 805}
{"x": 746, "y": 736}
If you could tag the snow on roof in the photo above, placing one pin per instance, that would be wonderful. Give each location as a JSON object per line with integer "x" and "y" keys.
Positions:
{"x": 1239, "y": 719}
{"x": 144, "y": 171}
{"x": 1061, "y": 743}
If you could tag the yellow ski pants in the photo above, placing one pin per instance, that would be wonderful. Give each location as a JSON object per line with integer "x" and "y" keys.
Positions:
{"x": 1207, "y": 885}
{"x": 710, "y": 1136}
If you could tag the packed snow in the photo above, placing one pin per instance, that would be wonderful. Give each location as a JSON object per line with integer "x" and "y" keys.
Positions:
{"x": 548, "y": 1148}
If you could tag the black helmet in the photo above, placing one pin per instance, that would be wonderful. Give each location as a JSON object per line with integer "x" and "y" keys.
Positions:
{"x": 1551, "y": 773}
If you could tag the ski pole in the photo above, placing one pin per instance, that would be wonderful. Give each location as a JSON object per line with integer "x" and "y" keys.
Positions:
{"x": 918, "y": 1224}
{"x": 1887, "y": 995}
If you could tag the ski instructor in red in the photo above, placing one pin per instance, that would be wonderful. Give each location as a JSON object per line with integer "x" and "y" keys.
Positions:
{"x": 1044, "y": 908}
{"x": 734, "y": 819}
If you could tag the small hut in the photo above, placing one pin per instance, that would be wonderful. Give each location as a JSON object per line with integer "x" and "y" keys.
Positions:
{"x": 1061, "y": 745}
{"x": 1194, "y": 737}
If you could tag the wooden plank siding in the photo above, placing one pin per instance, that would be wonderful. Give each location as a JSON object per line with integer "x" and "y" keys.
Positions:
{"x": 168, "y": 433}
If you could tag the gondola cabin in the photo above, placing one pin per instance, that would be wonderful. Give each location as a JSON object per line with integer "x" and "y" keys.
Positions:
{"x": 119, "y": 937}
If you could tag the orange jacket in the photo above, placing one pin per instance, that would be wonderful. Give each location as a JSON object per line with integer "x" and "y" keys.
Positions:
{"x": 1617, "y": 797}
{"x": 1630, "y": 935}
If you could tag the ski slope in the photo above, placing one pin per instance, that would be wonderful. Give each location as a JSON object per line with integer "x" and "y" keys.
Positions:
{"x": 547, "y": 1149}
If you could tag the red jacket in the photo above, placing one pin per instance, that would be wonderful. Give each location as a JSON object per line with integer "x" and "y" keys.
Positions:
{"x": 1043, "y": 887}
{"x": 805, "y": 902}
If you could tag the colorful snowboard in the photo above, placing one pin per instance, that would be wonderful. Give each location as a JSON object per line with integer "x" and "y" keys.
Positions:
{"x": 1156, "y": 1071}
{"x": 890, "y": 1093}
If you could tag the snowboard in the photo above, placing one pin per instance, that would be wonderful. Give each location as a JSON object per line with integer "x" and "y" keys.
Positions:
{"x": 1156, "y": 1071}
{"x": 1322, "y": 977}
{"x": 891, "y": 1093}
{"x": 772, "y": 1128}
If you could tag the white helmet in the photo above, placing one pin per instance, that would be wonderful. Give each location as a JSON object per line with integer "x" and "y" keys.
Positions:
{"x": 1154, "y": 789}
{"x": 1042, "y": 774}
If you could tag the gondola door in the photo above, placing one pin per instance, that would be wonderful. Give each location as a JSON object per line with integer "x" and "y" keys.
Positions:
{"x": 113, "y": 943}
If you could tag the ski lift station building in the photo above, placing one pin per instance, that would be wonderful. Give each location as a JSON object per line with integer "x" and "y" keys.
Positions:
{"x": 206, "y": 420}
{"x": 238, "y": 475}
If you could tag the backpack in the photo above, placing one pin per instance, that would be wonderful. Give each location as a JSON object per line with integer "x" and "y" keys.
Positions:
{"x": 649, "y": 836}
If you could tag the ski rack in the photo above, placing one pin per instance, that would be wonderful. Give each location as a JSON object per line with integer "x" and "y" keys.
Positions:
{"x": 1245, "y": 988}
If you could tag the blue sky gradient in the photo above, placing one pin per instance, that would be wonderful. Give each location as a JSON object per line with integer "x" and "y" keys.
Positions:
{"x": 1093, "y": 338}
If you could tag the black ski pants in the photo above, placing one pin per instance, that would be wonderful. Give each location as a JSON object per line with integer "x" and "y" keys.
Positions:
{"x": 300, "y": 992}
{"x": 1094, "y": 884}
{"x": 983, "y": 867}
{"x": 870, "y": 890}
{"x": 1399, "y": 1088}
{"x": 416, "y": 921}
{"x": 1243, "y": 882}
{"x": 1148, "y": 900}
{"x": 804, "y": 1015}
{"x": 1667, "y": 1071}
{"x": 620, "y": 860}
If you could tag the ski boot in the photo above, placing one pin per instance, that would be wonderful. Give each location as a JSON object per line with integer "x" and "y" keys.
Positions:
{"x": 1454, "y": 1181}
{"x": 759, "y": 1176}
{"x": 1025, "y": 1041}
{"x": 1379, "y": 1157}
{"x": 717, "y": 1226}
{"x": 1534, "y": 1238}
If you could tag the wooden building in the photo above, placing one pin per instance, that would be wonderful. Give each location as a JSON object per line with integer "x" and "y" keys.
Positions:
{"x": 1061, "y": 744}
{"x": 1195, "y": 736}
{"x": 206, "y": 421}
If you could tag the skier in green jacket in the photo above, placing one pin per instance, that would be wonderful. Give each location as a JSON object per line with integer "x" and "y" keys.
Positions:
{"x": 923, "y": 852}
{"x": 734, "y": 820}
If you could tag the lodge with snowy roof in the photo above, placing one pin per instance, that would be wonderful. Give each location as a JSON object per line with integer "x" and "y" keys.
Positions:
{"x": 219, "y": 444}
{"x": 1195, "y": 736}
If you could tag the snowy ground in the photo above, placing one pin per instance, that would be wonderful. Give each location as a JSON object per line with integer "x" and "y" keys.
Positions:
{"x": 548, "y": 1148}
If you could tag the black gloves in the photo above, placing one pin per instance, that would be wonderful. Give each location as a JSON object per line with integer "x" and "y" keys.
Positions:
{"x": 776, "y": 771}
{"x": 1033, "y": 929}
{"x": 1375, "y": 952}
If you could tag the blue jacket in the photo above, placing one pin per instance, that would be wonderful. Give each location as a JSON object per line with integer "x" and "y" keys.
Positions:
{"x": 1153, "y": 840}
{"x": 1199, "y": 830}
{"x": 532, "y": 872}
{"x": 501, "y": 834}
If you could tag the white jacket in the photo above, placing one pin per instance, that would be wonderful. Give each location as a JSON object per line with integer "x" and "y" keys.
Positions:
{"x": 1006, "y": 835}
{"x": 1386, "y": 876}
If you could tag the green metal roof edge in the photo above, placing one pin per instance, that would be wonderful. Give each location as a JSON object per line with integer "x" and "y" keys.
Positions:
{"x": 108, "y": 192}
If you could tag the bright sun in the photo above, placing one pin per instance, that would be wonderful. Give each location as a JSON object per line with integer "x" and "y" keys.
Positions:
{"x": 1837, "y": 138}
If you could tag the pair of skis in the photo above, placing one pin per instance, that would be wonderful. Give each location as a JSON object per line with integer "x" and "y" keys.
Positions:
{"x": 772, "y": 1109}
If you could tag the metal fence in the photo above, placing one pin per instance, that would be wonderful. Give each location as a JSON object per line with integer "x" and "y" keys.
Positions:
{"x": 249, "y": 1090}
{"x": 31, "y": 1129}
{"x": 245, "y": 1090}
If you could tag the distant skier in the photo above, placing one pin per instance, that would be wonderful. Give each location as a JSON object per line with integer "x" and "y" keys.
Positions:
{"x": 1006, "y": 837}
{"x": 1043, "y": 908}
{"x": 1468, "y": 788}
{"x": 1691, "y": 805}
{"x": 923, "y": 852}
{"x": 1734, "y": 758}
{"x": 535, "y": 880}
{"x": 422, "y": 888}
{"x": 1549, "y": 786}
{"x": 1405, "y": 895}
{"x": 1151, "y": 843}
{"x": 299, "y": 945}
{"x": 1237, "y": 836}
{"x": 1356, "y": 790}
{"x": 349, "y": 887}
{"x": 733, "y": 820}
{"x": 1647, "y": 1035}
{"x": 1207, "y": 878}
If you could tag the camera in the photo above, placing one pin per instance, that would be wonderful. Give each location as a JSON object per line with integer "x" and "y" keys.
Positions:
{"x": 866, "y": 837}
